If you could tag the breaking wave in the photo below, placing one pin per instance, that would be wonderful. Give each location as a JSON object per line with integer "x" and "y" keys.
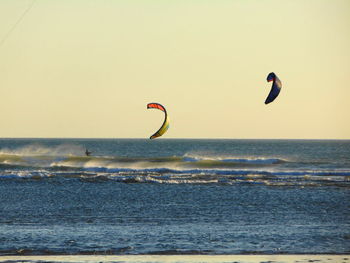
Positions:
{"x": 63, "y": 162}
{"x": 59, "y": 159}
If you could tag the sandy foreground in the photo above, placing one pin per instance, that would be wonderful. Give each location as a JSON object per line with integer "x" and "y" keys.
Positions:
{"x": 184, "y": 258}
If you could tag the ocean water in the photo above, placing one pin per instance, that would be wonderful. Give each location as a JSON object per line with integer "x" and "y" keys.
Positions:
{"x": 167, "y": 196}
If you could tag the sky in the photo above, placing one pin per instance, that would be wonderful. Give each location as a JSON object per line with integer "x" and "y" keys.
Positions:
{"x": 88, "y": 68}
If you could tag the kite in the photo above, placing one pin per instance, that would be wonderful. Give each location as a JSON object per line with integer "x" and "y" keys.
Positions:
{"x": 275, "y": 89}
{"x": 165, "y": 125}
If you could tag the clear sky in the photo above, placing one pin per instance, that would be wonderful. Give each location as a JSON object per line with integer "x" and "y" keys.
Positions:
{"x": 88, "y": 68}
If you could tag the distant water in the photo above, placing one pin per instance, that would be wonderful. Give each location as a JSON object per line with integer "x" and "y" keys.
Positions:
{"x": 135, "y": 196}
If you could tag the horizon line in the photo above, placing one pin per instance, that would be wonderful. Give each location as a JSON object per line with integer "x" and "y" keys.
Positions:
{"x": 172, "y": 138}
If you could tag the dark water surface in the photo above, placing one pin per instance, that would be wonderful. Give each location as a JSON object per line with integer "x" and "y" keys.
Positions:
{"x": 174, "y": 196}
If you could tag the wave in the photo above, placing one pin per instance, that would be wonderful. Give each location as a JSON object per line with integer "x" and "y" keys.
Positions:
{"x": 193, "y": 176}
{"x": 234, "y": 159}
{"x": 36, "y": 162}
{"x": 53, "y": 160}
{"x": 40, "y": 150}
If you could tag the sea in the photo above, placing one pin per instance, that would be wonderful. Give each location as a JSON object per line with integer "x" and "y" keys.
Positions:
{"x": 174, "y": 197}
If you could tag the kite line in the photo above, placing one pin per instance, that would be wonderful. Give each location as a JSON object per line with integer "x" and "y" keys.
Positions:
{"x": 17, "y": 23}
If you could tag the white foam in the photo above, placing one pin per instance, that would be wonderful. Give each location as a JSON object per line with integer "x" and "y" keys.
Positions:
{"x": 244, "y": 158}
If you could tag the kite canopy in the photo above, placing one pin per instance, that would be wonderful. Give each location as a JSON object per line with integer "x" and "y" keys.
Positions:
{"x": 165, "y": 125}
{"x": 275, "y": 89}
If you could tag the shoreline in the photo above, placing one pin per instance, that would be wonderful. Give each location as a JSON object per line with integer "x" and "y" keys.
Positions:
{"x": 282, "y": 258}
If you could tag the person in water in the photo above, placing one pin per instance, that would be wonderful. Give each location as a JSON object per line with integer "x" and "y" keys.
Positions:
{"x": 87, "y": 152}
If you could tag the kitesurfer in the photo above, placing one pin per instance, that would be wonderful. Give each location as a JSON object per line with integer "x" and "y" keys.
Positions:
{"x": 87, "y": 152}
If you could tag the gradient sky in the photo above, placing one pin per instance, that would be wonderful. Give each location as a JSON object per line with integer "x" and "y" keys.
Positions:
{"x": 87, "y": 68}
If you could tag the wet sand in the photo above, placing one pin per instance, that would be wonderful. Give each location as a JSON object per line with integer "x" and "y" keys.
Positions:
{"x": 184, "y": 258}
